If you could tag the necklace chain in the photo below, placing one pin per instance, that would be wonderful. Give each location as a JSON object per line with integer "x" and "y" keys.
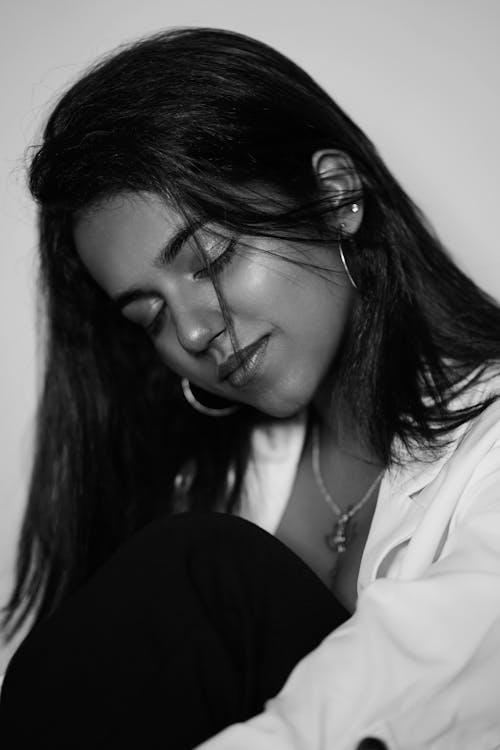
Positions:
{"x": 337, "y": 539}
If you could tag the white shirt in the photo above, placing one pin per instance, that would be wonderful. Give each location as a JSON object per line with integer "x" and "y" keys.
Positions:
{"x": 418, "y": 663}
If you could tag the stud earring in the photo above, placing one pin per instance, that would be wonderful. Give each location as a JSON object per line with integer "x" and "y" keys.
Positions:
{"x": 355, "y": 208}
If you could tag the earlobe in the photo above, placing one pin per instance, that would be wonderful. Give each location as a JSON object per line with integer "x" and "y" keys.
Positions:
{"x": 337, "y": 177}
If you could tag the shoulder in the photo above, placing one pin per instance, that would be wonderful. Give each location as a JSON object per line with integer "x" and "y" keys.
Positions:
{"x": 478, "y": 437}
{"x": 457, "y": 498}
{"x": 414, "y": 468}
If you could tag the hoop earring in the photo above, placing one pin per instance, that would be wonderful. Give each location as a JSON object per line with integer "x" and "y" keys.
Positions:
{"x": 208, "y": 411}
{"x": 344, "y": 263}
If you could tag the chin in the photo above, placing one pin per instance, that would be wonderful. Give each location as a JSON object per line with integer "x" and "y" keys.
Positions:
{"x": 282, "y": 406}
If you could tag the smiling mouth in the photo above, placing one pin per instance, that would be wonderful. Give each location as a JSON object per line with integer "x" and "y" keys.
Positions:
{"x": 240, "y": 367}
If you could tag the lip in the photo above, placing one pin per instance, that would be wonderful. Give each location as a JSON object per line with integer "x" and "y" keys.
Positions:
{"x": 239, "y": 368}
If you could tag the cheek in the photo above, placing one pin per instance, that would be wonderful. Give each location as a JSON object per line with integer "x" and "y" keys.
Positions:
{"x": 313, "y": 329}
{"x": 170, "y": 352}
{"x": 263, "y": 287}
{"x": 329, "y": 311}
{"x": 315, "y": 315}
{"x": 310, "y": 311}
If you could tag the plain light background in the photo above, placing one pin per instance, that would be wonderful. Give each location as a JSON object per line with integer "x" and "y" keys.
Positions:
{"x": 421, "y": 77}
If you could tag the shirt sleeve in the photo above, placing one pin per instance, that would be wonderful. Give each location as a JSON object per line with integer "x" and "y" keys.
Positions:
{"x": 418, "y": 664}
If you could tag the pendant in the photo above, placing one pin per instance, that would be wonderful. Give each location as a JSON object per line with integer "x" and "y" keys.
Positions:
{"x": 337, "y": 539}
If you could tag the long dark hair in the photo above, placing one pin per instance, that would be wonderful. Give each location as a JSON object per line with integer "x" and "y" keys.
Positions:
{"x": 211, "y": 121}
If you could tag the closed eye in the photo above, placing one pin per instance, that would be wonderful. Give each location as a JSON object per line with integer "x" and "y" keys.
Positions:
{"x": 146, "y": 312}
{"x": 154, "y": 328}
{"x": 217, "y": 266}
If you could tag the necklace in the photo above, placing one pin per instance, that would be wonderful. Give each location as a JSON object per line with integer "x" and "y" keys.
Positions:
{"x": 337, "y": 539}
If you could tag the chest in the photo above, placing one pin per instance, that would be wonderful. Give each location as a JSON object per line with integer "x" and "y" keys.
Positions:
{"x": 308, "y": 522}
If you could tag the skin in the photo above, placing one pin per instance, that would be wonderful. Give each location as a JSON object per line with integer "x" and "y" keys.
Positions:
{"x": 303, "y": 313}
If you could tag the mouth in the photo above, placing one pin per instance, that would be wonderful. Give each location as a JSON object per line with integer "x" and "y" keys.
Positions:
{"x": 239, "y": 368}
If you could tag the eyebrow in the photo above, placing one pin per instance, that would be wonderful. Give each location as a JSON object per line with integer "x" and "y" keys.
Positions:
{"x": 164, "y": 257}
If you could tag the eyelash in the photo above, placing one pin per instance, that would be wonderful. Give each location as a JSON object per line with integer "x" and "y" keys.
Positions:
{"x": 219, "y": 263}
{"x": 217, "y": 266}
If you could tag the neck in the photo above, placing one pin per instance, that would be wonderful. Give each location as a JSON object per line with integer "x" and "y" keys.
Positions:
{"x": 338, "y": 430}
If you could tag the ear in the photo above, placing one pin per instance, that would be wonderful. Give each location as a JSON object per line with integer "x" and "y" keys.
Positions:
{"x": 337, "y": 178}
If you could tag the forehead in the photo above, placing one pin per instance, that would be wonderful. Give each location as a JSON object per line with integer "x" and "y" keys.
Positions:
{"x": 120, "y": 238}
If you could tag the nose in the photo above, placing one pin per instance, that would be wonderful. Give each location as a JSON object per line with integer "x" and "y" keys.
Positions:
{"x": 197, "y": 326}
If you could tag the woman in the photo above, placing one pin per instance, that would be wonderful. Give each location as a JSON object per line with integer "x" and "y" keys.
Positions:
{"x": 247, "y": 314}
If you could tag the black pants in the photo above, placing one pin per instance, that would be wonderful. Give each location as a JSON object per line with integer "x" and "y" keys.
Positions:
{"x": 190, "y": 627}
